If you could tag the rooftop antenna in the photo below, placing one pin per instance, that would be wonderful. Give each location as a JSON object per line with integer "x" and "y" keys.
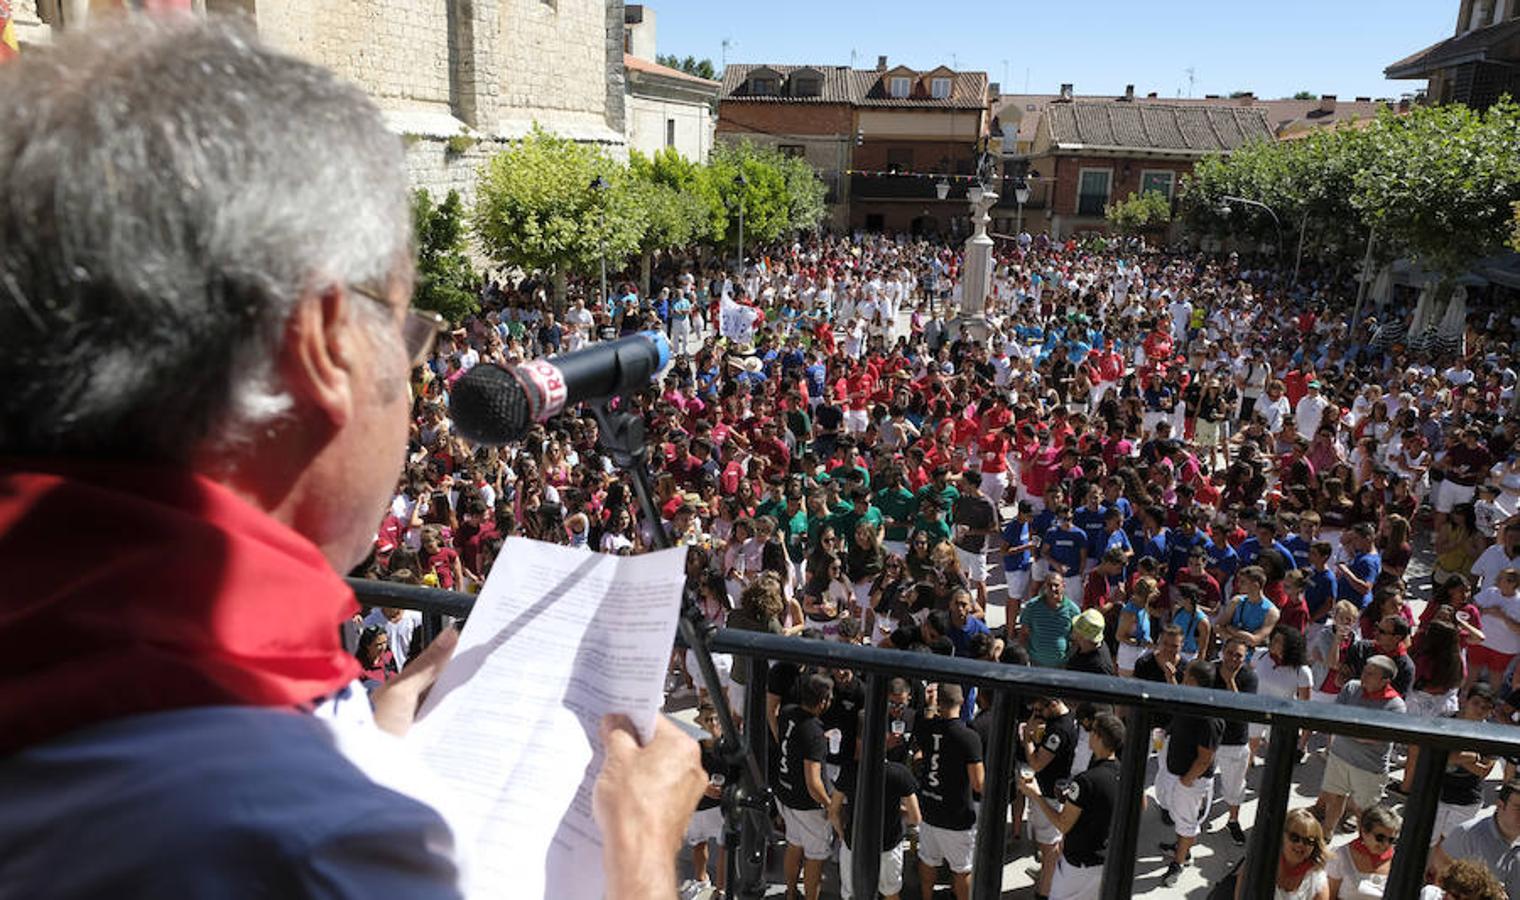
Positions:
{"x": 727, "y": 42}
{"x": 955, "y": 62}
{"x": 853, "y": 54}
{"x": 1005, "y": 74}
{"x": 1192, "y": 75}
{"x": 1026, "y": 79}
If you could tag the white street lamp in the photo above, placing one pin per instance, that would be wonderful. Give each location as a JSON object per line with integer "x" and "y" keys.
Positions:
{"x": 942, "y": 189}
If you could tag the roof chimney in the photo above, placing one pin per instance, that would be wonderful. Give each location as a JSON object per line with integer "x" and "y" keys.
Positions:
{"x": 1327, "y": 104}
{"x": 881, "y": 63}
{"x": 1152, "y": 95}
{"x": 1066, "y": 92}
{"x": 1129, "y": 92}
{"x": 1211, "y": 96}
{"x": 1364, "y": 99}
{"x": 1247, "y": 98}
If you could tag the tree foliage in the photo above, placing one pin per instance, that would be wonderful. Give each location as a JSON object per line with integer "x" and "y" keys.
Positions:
{"x": 702, "y": 68}
{"x": 1139, "y": 212}
{"x": 1435, "y": 184}
{"x": 779, "y": 194}
{"x": 536, "y": 207}
{"x": 446, "y": 282}
{"x": 1305, "y": 95}
{"x": 1514, "y": 236}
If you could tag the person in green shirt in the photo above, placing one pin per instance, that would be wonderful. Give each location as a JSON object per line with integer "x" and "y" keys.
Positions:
{"x": 931, "y": 519}
{"x": 844, "y": 466}
{"x": 774, "y": 502}
{"x": 859, "y": 510}
{"x": 897, "y": 505}
{"x": 940, "y": 488}
{"x": 1045, "y": 624}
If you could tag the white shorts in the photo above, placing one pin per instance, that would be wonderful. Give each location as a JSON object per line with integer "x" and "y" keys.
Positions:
{"x": 994, "y": 484}
{"x": 856, "y": 420}
{"x": 1044, "y": 831}
{"x": 808, "y": 829}
{"x": 1449, "y": 816}
{"x": 941, "y": 845}
{"x": 890, "y": 880}
{"x": 1076, "y": 882}
{"x": 1129, "y": 654}
{"x": 1449, "y": 494}
{"x": 706, "y": 825}
{"x": 973, "y": 564}
{"x": 1363, "y": 787}
{"x": 1072, "y": 585}
{"x": 1233, "y": 762}
{"x": 1185, "y": 803}
{"x": 1038, "y": 569}
{"x": 1018, "y": 583}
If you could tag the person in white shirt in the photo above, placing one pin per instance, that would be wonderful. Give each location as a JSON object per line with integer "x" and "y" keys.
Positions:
{"x": 1311, "y": 407}
{"x": 1500, "y": 606}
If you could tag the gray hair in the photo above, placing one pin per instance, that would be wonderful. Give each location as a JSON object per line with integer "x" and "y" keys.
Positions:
{"x": 167, "y": 192}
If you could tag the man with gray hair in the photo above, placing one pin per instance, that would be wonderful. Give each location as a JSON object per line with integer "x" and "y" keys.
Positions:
{"x": 205, "y": 268}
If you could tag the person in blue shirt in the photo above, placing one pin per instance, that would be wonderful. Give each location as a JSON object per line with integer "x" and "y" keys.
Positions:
{"x": 1249, "y": 615}
{"x": 1018, "y": 556}
{"x": 1113, "y": 495}
{"x": 1265, "y": 537}
{"x": 1299, "y": 543}
{"x": 1354, "y": 580}
{"x": 1089, "y": 517}
{"x": 1185, "y": 537}
{"x": 1224, "y": 562}
{"x": 1065, "y": 551}
{"x": 1321, "y": 591}
{"x": 817, "y": 376}
{"x": 1113, "y": 536}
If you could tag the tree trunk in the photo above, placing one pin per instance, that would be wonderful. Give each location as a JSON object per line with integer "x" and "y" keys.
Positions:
{"x": 557, "y": 291}
{"x": 646, "y": 272}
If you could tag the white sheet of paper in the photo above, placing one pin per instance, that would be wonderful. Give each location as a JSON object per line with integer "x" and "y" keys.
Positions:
{"x": 558, "y": 638}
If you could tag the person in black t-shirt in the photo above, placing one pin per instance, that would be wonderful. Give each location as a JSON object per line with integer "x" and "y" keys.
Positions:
{"x": 899, "y": 808}
{"x": 1162, "y": 665}
{"x": 1085, "y": 815}
{"x": 1191, "y": 744}
{"x": 801, "y": 792}
{"x": 843, "y": 716}
{"x": 1234, "y": 756}
{"x": 1462, "y": 787}
{"x": 706, "y": 823}
{"x": 1050, "y": 745}
{"x": 951, "y": 773}
{"x": 902, "y": 715}
{"x": 1089, "y": 652}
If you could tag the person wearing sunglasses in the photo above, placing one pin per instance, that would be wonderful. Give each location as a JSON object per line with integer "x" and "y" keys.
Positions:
{"x": 1301, "y": 862}
{"x": 1359, "y": 870}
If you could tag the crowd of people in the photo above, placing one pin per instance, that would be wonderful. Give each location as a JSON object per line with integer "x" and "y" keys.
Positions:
{"x": 1147, "y": 464}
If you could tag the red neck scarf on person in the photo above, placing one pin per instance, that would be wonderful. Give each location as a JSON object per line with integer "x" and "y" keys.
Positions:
{"x": 1386, "y": 693}
{"x": 1292, "y": 874}
{"x": 1379, "y": 858}
{"x": 135, "y": 590}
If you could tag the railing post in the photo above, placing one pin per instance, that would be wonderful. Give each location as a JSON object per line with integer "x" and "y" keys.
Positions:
{"x": 1407, "y": 875}
{"x": 1119, "y": 871}
{"x": 992, "y": 820}
{"x": 1271, "y": 809}
{"x": 748, "y": 834}
{"x": 870, "y": 776}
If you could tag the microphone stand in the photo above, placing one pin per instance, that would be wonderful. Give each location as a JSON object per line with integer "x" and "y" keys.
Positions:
{"x": 746, "y": 801}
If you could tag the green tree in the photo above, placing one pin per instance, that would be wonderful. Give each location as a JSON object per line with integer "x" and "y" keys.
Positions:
{"x": 1514, "y": 235}
{"x": 446, "y": 282}
{"x": 668, "y": 167}
{"x": 678, "y": 203}
{"x": 1139, "y": 213}
{"x": 702, "y": 68}
{"x": 1305, "y": 95}
{"x": 780, "y": 194}
{"x": 1440, "y": 182}
{"x": 536, "y": 208}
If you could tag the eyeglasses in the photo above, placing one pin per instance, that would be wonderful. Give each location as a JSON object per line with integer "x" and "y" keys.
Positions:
{"x": 1303, "y": 840}
{"x": 418, "y": 332}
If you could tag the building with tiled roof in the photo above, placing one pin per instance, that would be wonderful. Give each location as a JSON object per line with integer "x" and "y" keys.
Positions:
{"x": 664, "y": 107}
{"x": 880, "y": 138}
{"x": 1475, "y": 66}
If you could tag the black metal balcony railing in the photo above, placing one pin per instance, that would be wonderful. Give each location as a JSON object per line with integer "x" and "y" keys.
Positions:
{"x": 1141, "y": 699}
{"x": 904, "y": 187}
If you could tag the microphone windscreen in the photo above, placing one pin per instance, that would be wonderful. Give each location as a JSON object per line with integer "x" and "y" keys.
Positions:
{"x": 489, "y": 407}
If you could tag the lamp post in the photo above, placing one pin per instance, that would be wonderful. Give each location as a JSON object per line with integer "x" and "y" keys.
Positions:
{"x": 1021, "y": 196}
{"x": 942, "y": 189}
{"x": 599, "y": 184}
{"x": 741, "y": 183}
{"x": 1224, "y": 211}
{"x": 976, "y": 272}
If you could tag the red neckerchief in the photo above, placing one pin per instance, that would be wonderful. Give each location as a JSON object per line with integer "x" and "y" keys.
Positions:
{"x": 138, "y": 589}
{"x": 1293, "y": 874}
{"x": 1361, "y": 847}
{"x": 1387, "y": 693}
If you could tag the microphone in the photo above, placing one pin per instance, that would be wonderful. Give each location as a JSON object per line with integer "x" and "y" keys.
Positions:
{"x": 493, "y": 405}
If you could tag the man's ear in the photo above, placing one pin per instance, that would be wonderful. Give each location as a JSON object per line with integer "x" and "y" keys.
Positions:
{"x": 319, "y": 356}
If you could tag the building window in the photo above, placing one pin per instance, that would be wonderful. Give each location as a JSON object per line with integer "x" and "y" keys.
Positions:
{"x": 939, "y": 88}
{"x": 1092, "y": 191}
{"x": 1160, "y": 182}
{"x": 670, "y": 132}
{"x": 807, "y": 87}
{"x": 899, "y": 159}
{"x": 793, "y": 150}
{"x": 762, "y": 87}
{"x": 900, "y": 85}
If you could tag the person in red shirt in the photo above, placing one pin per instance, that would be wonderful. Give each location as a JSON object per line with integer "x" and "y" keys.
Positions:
{"x": 442, "y": 560}
{"x": 993, "y": 448}
{"x": 1158, "y": 344}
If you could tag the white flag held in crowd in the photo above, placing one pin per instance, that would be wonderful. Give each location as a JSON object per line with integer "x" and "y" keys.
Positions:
{"x": 736, "y": 322}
